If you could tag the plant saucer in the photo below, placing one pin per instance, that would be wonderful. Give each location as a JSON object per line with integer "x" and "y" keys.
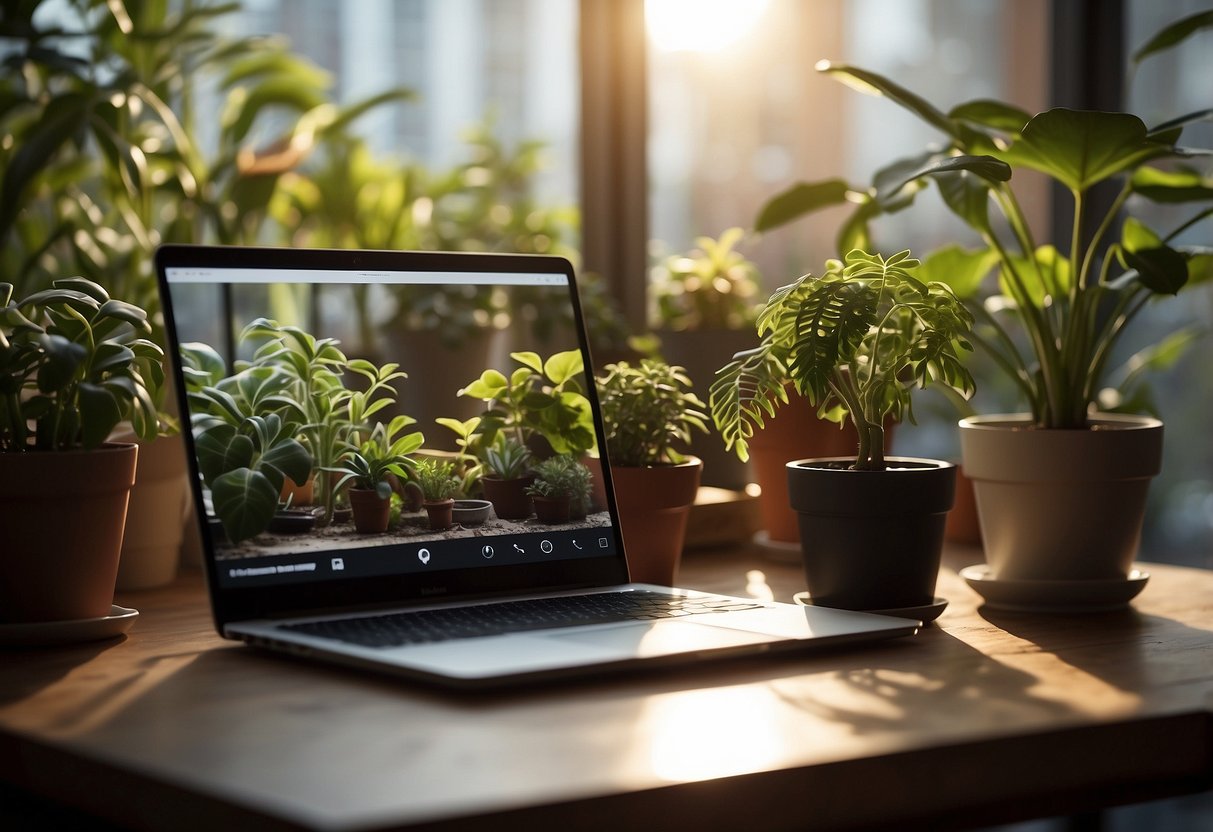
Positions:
{"x": 926, "y": 613}
{"x": 45, "y": 633}
{"x": 1100, "y": 595}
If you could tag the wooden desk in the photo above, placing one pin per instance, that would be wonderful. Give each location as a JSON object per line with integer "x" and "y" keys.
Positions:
{"x": 986, "y": 718}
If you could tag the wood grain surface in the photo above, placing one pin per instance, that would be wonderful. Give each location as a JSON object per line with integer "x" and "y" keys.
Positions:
{"x": 984, "y": 718}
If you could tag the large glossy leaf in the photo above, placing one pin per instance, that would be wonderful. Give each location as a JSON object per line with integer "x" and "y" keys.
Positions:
{"x": 1174, "y": 34}
{"x": 220, "y": 448}
{"x": 961, "y": 269}
{"x": 874, "y": 84}
{"x": 1082, "y": 147}
{"x": 800, "y": 199}
{"x": 1182, "y": 185}
{"x": 245, "y": 502}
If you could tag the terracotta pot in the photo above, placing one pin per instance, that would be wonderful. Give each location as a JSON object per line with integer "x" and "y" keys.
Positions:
{"x": 963, "y": 526}
{"x": 509, "y": 498}
{"x": 653, "y": 507}
{"x": 62, "y": 515}
{"x": 553, "y": 510}
{"x": 1061, "y": 504}
{"x": 371, "y": 512}
{"x": 795, "y": 432}
{"x": 441, "y": 513}
{"x": 157, "y": 515}
{"x": 301, "y": 495}
{"x": 871, "y": 540}
{"x": 598, "y": 498}
{"x": 702, "y": 353}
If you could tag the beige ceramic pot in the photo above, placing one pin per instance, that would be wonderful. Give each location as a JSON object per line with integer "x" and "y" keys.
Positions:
{"x": 1061, "y": 504}
{"x": 159, "y": 511}
{"x": 62, "y": 515}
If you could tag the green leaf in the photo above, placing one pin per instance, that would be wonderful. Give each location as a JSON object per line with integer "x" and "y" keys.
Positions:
{"x": 961, "y": 269}
{"x": 245, "y": 502}
{"x": 528, "y": 359}
{"x": 563, "y": 366}
{"x": 828, "y": 325}
{"x": 1082, "y": 147}
{"x": 1169, "y": 131}
{"x": 1174, "y": 34}
{"x": 272, "y": 92}
{"x": 100, "y": 413}
{"x": 967, "y": 196}
{"x": 878, "y": 85}
{"x": 123, "y": 311}
{"x": 80, "y": 284}
{"x": 290, "y": 458}
{"x": 986, "y": 112}
{"x": 490, "y": 385}
{"x": 986, "y": 167}
{"x": 63, "y": 118}
{"x": 1136, "y": 235}
{"x": 1049, "y": 276}
{"x": 801, "y": 199}
{"x": 221, "y": 449}
{"x": 63, "y": 361}
{"x": 1162, "y": 270}
{"x": 1182, "y": 185}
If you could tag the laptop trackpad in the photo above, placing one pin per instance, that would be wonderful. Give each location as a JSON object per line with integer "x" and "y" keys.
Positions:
{"x": 660, "y": 638}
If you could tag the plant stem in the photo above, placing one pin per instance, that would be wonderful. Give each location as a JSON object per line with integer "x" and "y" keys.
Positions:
{"x": 1208, "y": 212}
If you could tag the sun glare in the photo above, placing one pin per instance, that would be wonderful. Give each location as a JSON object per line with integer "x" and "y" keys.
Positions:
{"x": 700, "y": 25}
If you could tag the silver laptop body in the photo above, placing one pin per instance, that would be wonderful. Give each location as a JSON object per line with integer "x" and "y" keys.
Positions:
{"x": 285, "y": 591}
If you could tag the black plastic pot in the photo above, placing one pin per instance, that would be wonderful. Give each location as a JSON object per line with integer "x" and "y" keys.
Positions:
{"x": 871, "y": 540}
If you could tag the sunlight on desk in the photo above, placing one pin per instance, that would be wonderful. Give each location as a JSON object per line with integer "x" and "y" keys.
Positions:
{"x": 744, "y": 733}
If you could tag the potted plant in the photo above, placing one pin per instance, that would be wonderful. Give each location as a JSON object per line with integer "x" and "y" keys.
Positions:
{"x": 507, "y": 466}
{"x": 854, "y": 341}
{"x": 244, "y": 428}
{"x": 73, "y": 364}
{"x": 439, "y": 485}
{"x": 367, "y": 467}
{"x": 648, "y": 414}
{"x": 703, "y": 303}
{"x": 560, "y": 482}
{"x": 1061, "y": 489}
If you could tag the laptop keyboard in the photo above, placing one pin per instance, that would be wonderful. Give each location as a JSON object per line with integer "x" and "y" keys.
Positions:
{"x": 424, "y": 626}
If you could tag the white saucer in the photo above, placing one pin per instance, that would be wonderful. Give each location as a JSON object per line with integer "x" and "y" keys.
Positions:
{"x": 926, "y": 613}
{"x": 43, "y": 633}
{"x": 1100, "y": 595}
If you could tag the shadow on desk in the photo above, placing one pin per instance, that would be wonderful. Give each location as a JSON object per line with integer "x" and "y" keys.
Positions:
{"x": 57, "y": 663}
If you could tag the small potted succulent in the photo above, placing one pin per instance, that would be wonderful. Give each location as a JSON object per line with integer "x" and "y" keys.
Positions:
{"x": 73, "y": 364}
{"x": 648, "y": 414}
{"x": 368, "y": 467}
{"x": 507, "y": 466}
{"x": 439, "y": 485}
{"x": 854, "y": 341}
{"x": 561, "y": 483}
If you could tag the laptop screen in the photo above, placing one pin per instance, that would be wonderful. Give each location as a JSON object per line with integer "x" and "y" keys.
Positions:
{"x": 370, "y": 426}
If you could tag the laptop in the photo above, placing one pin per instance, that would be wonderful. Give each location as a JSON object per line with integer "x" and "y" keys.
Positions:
{"x": 257, "y": 334}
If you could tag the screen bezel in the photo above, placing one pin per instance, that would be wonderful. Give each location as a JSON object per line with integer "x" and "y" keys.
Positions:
{"x": 232, "y": 604}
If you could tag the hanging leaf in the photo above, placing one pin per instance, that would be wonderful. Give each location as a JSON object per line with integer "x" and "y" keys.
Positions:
{"x": 986, "y": 112}
{"x": 801, "y": 199}
{"x": 874, "y": 84}
{"x": 1169, "y": 186}
{"x": 1174, "y": 34}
